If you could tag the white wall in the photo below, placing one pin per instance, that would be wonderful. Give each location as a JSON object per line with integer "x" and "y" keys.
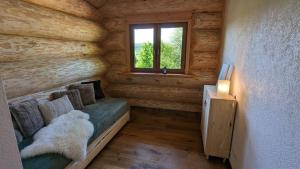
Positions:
{"x": 262, "y": 40}
{"x": 9, "y": 153}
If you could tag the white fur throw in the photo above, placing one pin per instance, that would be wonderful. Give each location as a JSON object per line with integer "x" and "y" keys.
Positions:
{"x": 68, "y": 134}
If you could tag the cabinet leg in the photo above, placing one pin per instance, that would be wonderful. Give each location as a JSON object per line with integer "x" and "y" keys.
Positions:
{"x": 207, "y": 157}
{"x": 224, "y": 160}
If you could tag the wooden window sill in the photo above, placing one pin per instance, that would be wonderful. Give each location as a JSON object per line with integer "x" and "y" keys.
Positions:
{"x": 159, "y": 74}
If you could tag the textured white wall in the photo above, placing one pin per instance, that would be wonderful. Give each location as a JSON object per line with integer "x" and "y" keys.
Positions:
{"x": 262, "y": 40}
{"x": 9, "y": 153}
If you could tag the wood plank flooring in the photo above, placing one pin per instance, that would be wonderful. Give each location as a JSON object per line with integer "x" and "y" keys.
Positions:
{"x": 157, "y": 139}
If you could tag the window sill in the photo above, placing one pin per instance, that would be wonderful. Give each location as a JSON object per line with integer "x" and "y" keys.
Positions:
{"x": 158, "y": 74}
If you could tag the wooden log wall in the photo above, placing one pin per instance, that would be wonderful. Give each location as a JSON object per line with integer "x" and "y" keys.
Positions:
{"x": 45, "y": 44}
{"x": 158, "y": 91}
{"x": 78, "y": 8}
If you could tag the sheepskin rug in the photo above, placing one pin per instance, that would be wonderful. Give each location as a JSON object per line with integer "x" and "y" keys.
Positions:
{"x": 67, "y": 134}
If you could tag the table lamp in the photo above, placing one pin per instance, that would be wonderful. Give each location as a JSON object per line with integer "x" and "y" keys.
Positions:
{"x": 223, "y": 87}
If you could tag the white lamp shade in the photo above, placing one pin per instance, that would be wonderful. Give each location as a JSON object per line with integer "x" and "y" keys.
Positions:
{"x": 223, "y": 87}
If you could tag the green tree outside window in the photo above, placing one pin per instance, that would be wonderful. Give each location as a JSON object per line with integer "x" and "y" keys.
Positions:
{"x": 170, "y": 56}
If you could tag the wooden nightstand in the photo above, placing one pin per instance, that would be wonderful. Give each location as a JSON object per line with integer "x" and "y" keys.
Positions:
{"x": 217, "y": 121}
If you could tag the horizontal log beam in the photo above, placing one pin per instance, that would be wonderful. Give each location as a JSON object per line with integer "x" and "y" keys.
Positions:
{"x": 205, "y": 40}
{"x": 116, "y": 57}
{"x": 25, "y": 19}
{"x": 207, "y": 20}
{"x": 46, "y": 94}
{"x": 30, "y": 76}
{"x": 78, "y": 8}
{"x": 97, "y": 3}
{"x": 115, "y": 41}
{"x": 196, "y": 82}
{"x": 15, "y": 48}
{"x": 172, "y": 94}
{"x": 10, "y": 70}
{"x": 130, "y": 7}
{"x": 164, "y": 105}
{"x": 200, "y": 60}
{"x": 115, "y": 24}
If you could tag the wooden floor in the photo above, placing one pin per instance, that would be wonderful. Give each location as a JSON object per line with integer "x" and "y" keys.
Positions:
{"x": 157, "y": 139}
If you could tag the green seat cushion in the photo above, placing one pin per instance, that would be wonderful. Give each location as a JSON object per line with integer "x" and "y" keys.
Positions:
{"x": 103, "y": 114}
{"x": 45, "y": 161}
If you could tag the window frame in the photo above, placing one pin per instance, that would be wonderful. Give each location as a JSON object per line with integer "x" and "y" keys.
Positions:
{"x": 157, "y": 45}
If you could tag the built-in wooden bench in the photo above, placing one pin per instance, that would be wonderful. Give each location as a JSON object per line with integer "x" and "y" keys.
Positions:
{"x": 94, "y": 147}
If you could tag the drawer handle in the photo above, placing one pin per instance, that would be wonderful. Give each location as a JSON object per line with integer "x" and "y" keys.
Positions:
{"x": 230, "y": 124}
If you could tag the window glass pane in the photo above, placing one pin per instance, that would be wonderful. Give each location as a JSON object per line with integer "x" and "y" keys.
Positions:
{"x": 143, "y": 48}
{"x": 171, "y": 48}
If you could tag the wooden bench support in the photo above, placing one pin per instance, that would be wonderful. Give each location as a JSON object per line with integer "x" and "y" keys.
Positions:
{"x": 97, "y": 145}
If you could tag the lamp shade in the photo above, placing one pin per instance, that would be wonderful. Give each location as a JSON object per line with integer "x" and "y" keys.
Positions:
{"x": 223, "y": 87}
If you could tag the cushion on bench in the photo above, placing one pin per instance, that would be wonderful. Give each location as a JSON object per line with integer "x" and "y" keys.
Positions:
{"x": 103, "y": 114}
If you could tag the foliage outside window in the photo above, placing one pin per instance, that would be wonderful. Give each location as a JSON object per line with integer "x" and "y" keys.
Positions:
{"x": 157, "y": 47}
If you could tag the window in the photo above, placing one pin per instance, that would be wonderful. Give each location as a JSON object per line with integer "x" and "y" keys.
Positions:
{"x": 157, "y": 47}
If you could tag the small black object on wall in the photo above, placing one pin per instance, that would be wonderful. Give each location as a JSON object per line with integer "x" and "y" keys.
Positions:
{"x": 97, "y": 88}
{"x": 165, "y": 70}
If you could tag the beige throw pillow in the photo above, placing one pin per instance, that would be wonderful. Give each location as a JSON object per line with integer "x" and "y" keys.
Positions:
{"x": 74, "y": 97}
{"x": 52, "y": 109}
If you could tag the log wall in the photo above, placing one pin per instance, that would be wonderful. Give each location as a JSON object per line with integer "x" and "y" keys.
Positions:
{"x": 183, "y": 92}
{"x": 46, "y": 44}
{"x": 78, "y": 8}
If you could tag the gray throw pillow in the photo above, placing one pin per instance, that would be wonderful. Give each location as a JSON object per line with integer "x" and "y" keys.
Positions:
{"x": 19, "y": 136}
{"x": 27, "y": 116}
{"x": 87, "y": 93}
{"x": 74, "y": 97}
{"x": 15, "y": 124}
{"x": 99, "y": 94}
{"x": 52, "y": 109}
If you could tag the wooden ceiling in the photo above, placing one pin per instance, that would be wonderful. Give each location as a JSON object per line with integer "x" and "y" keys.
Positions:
{"x": 96, "y": 3}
